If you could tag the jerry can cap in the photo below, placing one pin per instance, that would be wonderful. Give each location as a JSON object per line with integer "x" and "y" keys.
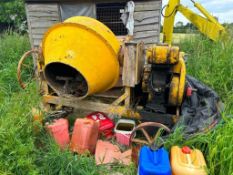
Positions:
{"x": 186, "y": 150}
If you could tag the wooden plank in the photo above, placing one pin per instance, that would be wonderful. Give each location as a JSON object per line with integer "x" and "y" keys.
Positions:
{"x": 147, "y": 18}
{"x": 42, "y": 10}
{"x": 40, "y": 17}
{"x": 139, "y": 16}
{"x": 37, "y": 36}
{"x": 145, "y": 34}
{"x": 36, "y": 42}
{"x": 148, "y": 27}
{"x": 147, "y": 6}
{"x": 42, "y": 24}
{"x": 31, "y": 40}
{"x": 77, "y": 103}
{"x": 146, "y": 21}
{"x": 90, "y": 106}
{"x": 140, "y": 61}
{"x": 47, "y": 6}
{"x": 30, "y": 32}
{"x": 38, "y": 30}
{"x": 128, "y": 75}
{"x": 148, "y": 40}
{"x": 44, "y": 18}
{"x": 44, "y": 14}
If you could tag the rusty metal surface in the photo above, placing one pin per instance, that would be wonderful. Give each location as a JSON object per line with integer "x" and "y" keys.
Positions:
{"x": 149, "y": 141}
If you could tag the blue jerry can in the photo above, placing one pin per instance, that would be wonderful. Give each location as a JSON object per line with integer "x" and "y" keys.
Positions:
{"x": 154, "y": 162}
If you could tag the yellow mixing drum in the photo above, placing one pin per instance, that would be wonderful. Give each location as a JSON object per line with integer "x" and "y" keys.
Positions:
{"x": 80, "y": 57}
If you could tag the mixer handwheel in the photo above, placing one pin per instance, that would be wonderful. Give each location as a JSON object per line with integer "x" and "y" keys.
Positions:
{"x": 22, "y": 64}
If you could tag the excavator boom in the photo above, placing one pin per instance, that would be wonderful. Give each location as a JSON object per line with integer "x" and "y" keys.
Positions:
{"x": 207, "y": 25}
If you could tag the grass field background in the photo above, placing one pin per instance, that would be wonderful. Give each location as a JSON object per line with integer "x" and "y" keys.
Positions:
{"x": 177, "y": 38}
{"x": 24, "y": 152}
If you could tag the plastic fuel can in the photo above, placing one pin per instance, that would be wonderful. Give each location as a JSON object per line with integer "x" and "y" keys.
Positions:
{"x": 85, "y": 135}
{"x": 153, "y": 162}
{"x": 185, "y": 161}
{"x": 59, "y": 130}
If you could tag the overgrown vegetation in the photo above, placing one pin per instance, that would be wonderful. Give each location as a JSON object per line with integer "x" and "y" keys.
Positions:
{"x": 17, "y": 147}
{"x": 213, "y": 64}
{"x": 24, "y": 152}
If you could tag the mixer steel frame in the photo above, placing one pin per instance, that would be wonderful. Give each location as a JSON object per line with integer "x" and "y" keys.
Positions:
{"x": 131, "y": 75}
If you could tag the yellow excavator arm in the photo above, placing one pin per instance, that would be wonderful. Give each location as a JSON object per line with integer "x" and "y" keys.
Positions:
{"x": 207, "y": 25}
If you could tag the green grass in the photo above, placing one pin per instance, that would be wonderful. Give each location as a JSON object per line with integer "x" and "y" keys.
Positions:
{"x": 178, "y": 37}
{"x": 24, "y": 152}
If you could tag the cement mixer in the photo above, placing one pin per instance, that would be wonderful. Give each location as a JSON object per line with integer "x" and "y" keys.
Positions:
{"x": 81, "y": 58}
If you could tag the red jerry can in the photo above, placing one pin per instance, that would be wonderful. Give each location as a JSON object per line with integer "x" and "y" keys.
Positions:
{"x": 106, "y": 125}
{"x": 85, "y": 135}
{"x": 59, "y": 130}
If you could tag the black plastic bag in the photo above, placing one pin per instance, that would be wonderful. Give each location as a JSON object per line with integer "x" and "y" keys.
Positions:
{"x": 201, "y": 111}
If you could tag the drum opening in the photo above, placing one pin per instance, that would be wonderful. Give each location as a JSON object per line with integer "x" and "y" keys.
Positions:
{"x": 66, "y": 80}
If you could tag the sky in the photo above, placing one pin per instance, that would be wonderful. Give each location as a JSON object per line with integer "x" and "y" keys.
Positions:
{"x": 223, "y": 9}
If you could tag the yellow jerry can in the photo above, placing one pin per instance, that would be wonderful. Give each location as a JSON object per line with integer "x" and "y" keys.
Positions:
{"x": 185, "y": 161}
{"x": 80, "y": 57}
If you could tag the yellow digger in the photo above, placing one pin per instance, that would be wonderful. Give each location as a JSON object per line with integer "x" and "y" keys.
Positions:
{"x": 207, "y": 25}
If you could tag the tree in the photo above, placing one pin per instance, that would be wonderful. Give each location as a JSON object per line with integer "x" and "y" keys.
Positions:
{"x": 179, "y": 24}
{"x": 12, "y": 13}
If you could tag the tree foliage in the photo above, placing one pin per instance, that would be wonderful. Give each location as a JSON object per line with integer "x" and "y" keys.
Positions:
{"x": 184, "y": 28}
{"x": 12, "y": 13}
